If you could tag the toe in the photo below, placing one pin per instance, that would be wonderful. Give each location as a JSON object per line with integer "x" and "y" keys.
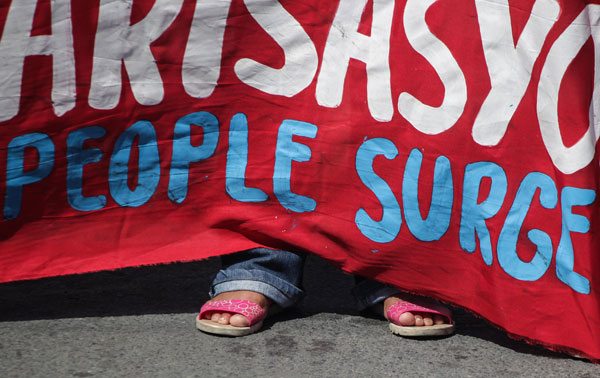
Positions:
{"x": 224, "y": 319}
{"x": 215, "y": 317}
{"x": 418, "y": 320}
{"x": 407, "y": 319}
{"x": 239, "y": 321}
{"x": 427, "y": 321}
{"x": 438, "y": 319}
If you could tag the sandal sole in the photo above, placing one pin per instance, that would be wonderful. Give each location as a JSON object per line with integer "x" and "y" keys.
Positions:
{"x": 213, "y": 328}
{"x": 424, "y": 331}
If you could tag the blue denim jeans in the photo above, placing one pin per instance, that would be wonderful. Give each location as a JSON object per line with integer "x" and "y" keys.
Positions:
{"x": 277, "y": 274}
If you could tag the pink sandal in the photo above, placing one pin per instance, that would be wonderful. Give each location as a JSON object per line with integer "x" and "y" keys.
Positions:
{"x": 423, "y": 306}
{"x": 252, "y": 311}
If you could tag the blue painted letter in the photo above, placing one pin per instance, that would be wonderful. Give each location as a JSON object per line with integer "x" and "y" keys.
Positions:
{"x": 387, "y": 229}
{"x": 507, "y": 243}
{"x": 565, "y": 255}
{"x": 438, "y": 219}
{"x": 475, "y": 214}
{"x": 17, "y": 177}
{"x": 77, "y": 158}
{"x": 148, "y": 166}
{"x": 184, "y": 153}
{"x": 288, "y": 151}
{"x": 237, "y": 160}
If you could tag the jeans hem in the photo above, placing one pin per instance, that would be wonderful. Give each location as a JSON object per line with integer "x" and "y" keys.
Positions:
{"x": 279, "y": 291}
{"x": 369, "y": 293}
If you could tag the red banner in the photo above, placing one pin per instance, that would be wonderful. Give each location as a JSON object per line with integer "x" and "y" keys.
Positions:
{"x": 449, "y": 148}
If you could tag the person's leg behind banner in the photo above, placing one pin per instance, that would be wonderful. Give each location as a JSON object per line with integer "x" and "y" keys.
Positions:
{"x": 409, "y": 315}
{"x": 249, "y": 284}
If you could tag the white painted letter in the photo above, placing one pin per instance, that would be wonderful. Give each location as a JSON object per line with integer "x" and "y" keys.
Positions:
{"x": 570, "y": 159}
{"x": 17, "y": 43}
{"x": 344, "y": 42}
{"x": 425, "y": 118}
{"x": 202, "y": 61}
{"x": 509, "y": 66}
{"x": 117, "y": 41}
{"x": 301, "y": 58}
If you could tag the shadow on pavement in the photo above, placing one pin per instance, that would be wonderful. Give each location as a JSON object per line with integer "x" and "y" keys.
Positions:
{"x": 173, "y": 288}
{"x": 162, "y": 289}
{"x": 183, "y": 287}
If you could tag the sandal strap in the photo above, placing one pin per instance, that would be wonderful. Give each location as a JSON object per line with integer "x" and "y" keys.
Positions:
{"x": 252, "y": 311}
{"x": 401, "y": 307}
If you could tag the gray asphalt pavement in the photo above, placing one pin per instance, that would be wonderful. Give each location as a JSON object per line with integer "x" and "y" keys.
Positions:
{"x": 140, "y": 322}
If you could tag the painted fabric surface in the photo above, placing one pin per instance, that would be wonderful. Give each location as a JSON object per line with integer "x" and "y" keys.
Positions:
{"x": 446, "y": 147}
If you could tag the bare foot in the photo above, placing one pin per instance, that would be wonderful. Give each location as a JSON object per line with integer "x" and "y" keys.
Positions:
{"x": 408, "y": 319}
{"x": 237, "y": 320}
